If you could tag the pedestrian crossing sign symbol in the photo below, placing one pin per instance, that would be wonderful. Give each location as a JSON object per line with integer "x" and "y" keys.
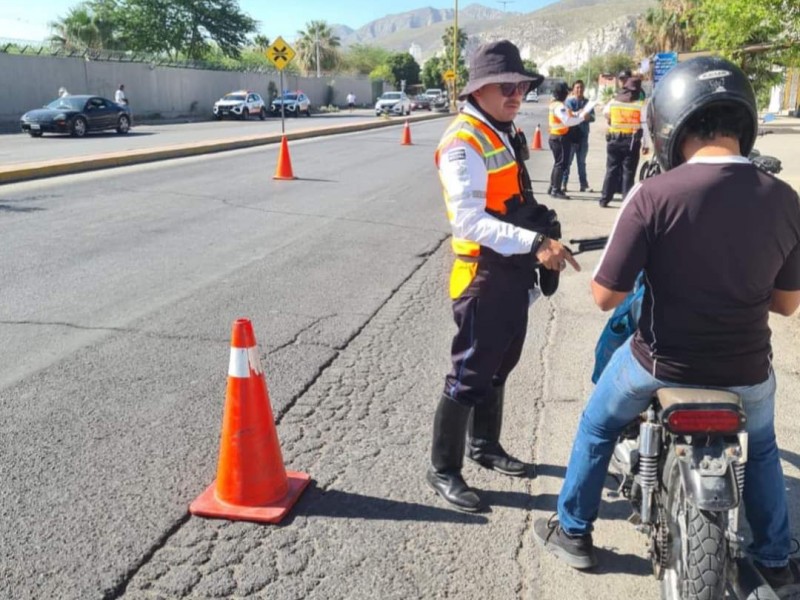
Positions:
{"x": 280, "y": 53}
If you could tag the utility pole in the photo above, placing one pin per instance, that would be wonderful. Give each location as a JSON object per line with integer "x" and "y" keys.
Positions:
{"x": 505, "y": 2}
{"x": 455, "y": 59}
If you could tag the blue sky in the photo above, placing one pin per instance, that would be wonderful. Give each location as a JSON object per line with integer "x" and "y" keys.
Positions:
{"x": 28, "y": 19}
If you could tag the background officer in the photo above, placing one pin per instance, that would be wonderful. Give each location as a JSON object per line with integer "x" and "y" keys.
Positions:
{"x": 559, "y": 121}
{"x": 626, "y": 128}
{"x": 499, "y": 234}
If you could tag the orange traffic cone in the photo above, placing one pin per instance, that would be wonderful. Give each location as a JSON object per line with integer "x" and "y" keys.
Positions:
{"x": 537, "y": 139}
{"x": 284, "y": 168}
{"x": 406, "y": 141}
{"x": 252, "y": 483}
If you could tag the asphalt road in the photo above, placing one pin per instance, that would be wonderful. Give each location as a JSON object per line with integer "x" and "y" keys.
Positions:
{"x": 20, "y": 148}
{"x": 119, "y": 288}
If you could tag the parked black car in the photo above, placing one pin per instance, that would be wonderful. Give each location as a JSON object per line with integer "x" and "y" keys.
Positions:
{"x": 77, "y": 115}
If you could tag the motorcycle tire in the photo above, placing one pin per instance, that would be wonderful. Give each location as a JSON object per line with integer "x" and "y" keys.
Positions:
{"x": 698, "y": 562}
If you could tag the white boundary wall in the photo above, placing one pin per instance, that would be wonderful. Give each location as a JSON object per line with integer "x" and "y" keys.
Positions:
{"x": 28, "y": 82}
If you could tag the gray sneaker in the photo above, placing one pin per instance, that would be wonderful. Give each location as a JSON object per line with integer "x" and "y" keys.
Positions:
{"x": 575, "y": 550}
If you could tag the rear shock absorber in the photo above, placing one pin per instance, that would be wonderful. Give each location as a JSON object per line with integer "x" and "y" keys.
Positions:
{"x": 649, "y": 449}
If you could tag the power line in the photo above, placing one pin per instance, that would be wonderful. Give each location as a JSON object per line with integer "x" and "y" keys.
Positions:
{"x": 505, "y": 3}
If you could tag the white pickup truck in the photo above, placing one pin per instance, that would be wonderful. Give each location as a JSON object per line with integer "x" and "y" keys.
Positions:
{"x": 438, "y": 98}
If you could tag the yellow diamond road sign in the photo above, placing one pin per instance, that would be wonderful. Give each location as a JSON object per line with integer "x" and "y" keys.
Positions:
{"x": 449, "y": 75}
{"x": 280, "y": 53}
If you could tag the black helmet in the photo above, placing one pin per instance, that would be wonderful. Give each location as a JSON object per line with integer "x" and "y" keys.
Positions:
{"x": 692, "y": 86}
{"x": 560, "y": 91}
{"x": 624, "y": 74}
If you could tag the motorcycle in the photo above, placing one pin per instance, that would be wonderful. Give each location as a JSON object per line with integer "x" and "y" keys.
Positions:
{"x": 768, "y": 164}
{"x": 681, "y": 465}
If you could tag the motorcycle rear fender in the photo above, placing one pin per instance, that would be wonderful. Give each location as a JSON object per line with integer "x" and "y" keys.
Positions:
{"x": 714, "y": 493}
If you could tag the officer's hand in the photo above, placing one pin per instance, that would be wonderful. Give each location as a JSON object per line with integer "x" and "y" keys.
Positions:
{"x": 587, "y": 116}
{"x": 645, "y": 151}
{"x": 554, "y": 256}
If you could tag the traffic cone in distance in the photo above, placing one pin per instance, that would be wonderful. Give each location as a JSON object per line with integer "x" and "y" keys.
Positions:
{"x": 537, "y": 139}
{"x": 252, "y": 483}
{"x": 406, "y": 141}
{"x": 284, "y": 168}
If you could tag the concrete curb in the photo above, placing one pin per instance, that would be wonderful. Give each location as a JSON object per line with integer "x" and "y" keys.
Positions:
{"x": 39, "y": 170}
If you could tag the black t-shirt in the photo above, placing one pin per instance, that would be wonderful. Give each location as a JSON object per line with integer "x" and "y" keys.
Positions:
{"x": 714, "y": 237}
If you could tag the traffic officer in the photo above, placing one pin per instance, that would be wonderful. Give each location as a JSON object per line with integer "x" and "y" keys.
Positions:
{"x": 625, "y": 138}
{"x": 498, "y": 241}
{"x": 559, "y": 121}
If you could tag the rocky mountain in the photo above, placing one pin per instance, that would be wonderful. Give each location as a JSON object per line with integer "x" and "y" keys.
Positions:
{"x": 566, "y": 33}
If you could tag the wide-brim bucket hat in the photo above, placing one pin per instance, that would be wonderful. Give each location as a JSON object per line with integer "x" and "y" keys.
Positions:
{"x": 497, "y": 62}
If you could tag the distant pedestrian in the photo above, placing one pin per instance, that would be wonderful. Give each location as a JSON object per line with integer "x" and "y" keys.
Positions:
{"x": 351, "y": 101}
{"x": 578, "y": 136}
{"x": 627, "y": 127}
{"x": 119, "y": 95}
{"x": 62, "y": 91}
{"x": 560, "y": 119}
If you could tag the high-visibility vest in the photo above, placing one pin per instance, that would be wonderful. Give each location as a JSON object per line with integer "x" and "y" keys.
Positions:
{"x": 556, "y": 125}
{"x": 626, "y": 117}
{"x": 503, "y": 184}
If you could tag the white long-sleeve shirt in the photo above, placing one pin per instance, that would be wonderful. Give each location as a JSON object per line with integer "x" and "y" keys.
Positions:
{"x": 566, "y": 116}
{"x": 464, "y": 178}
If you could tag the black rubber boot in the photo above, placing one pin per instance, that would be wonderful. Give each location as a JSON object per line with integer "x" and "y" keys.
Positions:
{"x": 483, "y": 445}
{"x": 447, "y": 456}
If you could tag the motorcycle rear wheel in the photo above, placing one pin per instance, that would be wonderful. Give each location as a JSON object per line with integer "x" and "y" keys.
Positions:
{"x": 699, "y": 550}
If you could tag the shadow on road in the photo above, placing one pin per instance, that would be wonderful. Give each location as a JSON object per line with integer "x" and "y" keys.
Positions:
{"x": 609, "y": 561}
{"x": 339, "y": 504}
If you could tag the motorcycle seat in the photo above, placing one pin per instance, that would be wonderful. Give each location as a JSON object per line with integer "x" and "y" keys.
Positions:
{"x": 669, "y": 397}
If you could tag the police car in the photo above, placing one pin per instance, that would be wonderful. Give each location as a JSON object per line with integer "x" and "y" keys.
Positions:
{"x": 293, "y": 104}
{"x": 241, "y": 105}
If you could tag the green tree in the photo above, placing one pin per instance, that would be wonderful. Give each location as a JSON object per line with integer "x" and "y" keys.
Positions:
{"x": 363, "y": 58}
{"x": 186, "y": 27}
{"x": 317, "y": 38}
{"x": 666, "y": 27}
{"x": 261, "y": 42}
{"x": 530, "y": 66}
{"x": 382, "y": 72}
{"x": 404, "y": 68}
{"x": 432, "y": 73}
{"x": 447, "y": 41}
{"x": 95, "y": 25}
{"x": 757, "y": 35}
{"x": 557, "y": 71}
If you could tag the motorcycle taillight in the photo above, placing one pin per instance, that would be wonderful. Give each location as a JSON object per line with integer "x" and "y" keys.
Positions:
{"x": 696, "y": 421}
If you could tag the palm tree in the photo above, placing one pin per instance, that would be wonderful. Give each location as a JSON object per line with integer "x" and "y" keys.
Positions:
{"x": 447, "y": 40}
{"x": 76, "y": 31}
{"x": 93, "y": 25}
{"x": 317, "y": 41}
{"x": 667, "y": 27}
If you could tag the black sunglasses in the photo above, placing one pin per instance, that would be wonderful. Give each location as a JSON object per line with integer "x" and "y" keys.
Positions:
{"x": 508, "y": 89}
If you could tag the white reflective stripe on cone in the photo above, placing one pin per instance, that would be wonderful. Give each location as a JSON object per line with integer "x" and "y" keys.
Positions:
{"x": 238, "y": 366}
{"x": 244, "y": 360}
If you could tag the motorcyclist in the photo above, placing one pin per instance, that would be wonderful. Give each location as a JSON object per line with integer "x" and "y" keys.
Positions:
{"x": 719, "y": 243}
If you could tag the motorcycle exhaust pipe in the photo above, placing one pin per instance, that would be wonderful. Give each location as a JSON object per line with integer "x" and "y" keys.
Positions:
{"x": 749, "y": 584}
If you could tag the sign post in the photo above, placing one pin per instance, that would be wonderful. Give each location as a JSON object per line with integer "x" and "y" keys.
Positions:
{"x": 281, "y": 54}
{"x": 450, "y": 80}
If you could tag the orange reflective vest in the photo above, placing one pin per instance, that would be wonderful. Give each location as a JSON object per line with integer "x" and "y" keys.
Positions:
{"x": 503, "y": 184}
{"x": 556, "y": 125}
{"x": 625, "y": 117}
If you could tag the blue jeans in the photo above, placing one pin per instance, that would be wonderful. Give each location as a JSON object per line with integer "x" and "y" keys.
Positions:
{"x": 579, "y": 151}
{"x": 623, "y": 392}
